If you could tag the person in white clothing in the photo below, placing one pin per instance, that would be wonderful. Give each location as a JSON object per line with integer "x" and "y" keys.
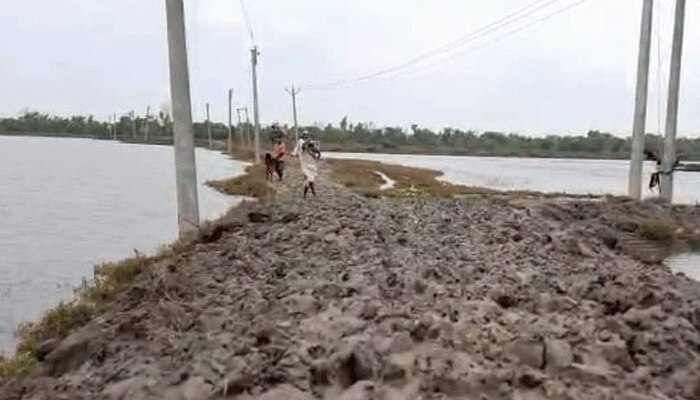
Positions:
{"x": 308, "y": 160}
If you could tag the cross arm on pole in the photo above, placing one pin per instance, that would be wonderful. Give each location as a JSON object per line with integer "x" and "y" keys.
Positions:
{"x": 293, "y": 91}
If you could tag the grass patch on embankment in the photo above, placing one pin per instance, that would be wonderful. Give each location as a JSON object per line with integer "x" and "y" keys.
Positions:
{"x": 253, "y": 183}
{"x": 55, "y": 324}
{"x": 660, "y": 229}
{"x": 649, "y": 231}
{"x": 361, "y": 176}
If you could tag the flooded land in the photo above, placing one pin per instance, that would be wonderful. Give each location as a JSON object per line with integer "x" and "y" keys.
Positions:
{"x": 345, "y": 296}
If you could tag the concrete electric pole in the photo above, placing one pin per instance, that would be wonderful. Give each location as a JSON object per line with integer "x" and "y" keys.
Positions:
{"x": 209, "y": 127}
{"x": 148, "y": 117}
{"x": 640, "y": 103}
{"x": 674, "y": 83}
{"x": 229, "y": 143}
{"x": 256, "y": 113}
{"x": 185, "y": 167}
{"x": 247, "y": 135}
{"x": 249, "y": 125}
{"x": 293, "y": 92}
{"x": 133, "y": 125}
{"x": 238, "y": 114}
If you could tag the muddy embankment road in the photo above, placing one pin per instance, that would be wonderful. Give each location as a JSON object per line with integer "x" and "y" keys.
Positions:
{"x": 351, "y": 298}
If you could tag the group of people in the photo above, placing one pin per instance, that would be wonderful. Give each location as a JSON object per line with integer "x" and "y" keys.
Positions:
{"x": 305, "y": 149}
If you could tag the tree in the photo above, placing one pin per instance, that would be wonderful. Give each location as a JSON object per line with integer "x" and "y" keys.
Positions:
{"x": 363, "y": 136}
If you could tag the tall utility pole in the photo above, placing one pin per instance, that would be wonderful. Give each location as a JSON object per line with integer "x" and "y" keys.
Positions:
{"x": 114, "y": 127}
{"x": 148, "y": 117}
{"x": 133, "y": 124}
{"x": 247, "y": 135}
{"x": 238, "y": 114}
{"x": 674, "y": 84}
{"x": 249, "y": 125}
{"x": 256, "y": 114}
{"x": 209, "y": 127}
{"x": 229, "y": 143}
{"x": 640, "y": 103}
{"x": 293, "y": 92}
{"x": 185, "y": 167}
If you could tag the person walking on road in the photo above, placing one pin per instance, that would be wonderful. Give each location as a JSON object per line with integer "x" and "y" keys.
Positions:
{"x": 278, "y": 153}
{"x": 308, "y": 160}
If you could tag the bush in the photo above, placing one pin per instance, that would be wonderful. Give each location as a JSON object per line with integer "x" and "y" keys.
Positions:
{"x": 22, "y": 364}
{"x": 253, "y": 184}
{"x": 658, "y": 229}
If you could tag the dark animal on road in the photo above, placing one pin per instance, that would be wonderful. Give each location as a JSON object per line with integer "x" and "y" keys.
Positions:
{"x": 270, "y": 166}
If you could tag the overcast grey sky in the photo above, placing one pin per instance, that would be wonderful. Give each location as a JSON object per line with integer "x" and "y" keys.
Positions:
{"x": 573, "y": 72}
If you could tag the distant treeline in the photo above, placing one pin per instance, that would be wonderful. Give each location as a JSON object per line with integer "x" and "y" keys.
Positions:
{"x": 594, "y": 144}
{"x": 157, "y": 128}
{"x": 347, "y": 136}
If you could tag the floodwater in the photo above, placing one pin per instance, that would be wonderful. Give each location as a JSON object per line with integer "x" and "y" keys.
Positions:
{"x": 67, "y": 204}
{"x": 688, "y": 264}
{"x": 571, "y": 176}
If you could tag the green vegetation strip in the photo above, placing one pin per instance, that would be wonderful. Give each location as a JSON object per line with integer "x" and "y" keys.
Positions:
{"x": 361, "y": 176}
{"x": 252, "y": 184}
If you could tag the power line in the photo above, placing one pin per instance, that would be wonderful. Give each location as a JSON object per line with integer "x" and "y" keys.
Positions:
{"x": 506, "y": 34}
{"x": 509, "y": 33}
{"x": 493, "y": 26}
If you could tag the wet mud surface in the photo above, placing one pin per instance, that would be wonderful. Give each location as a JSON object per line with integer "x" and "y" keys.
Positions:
{"x": 348, "y": 298}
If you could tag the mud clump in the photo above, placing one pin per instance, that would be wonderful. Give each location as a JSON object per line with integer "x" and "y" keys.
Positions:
{"x": 350, "y": 298}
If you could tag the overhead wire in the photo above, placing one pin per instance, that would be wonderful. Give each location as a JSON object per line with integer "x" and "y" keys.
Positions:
{"x": 472, "y": 37}
{"x": 500, "y": 22}
{"x": 502, "y": 36}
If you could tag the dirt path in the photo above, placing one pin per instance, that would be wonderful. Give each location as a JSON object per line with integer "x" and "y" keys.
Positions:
{"x": 348, "y": 298}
